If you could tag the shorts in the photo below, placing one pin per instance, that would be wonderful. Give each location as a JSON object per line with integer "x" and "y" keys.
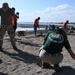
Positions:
{"x": 50, "y": 58}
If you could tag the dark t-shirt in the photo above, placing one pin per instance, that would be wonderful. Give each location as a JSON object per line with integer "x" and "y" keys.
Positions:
{"x": 6, "y": 16}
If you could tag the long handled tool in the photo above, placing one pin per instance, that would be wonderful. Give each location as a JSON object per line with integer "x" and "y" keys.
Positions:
{"x": 41, "y": 31}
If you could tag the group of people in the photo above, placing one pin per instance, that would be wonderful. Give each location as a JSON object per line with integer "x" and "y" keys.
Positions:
{"x": 8, "y": 23}
{"x": 36, "y": 25}
{"x": 52, "y": 47}
{"x": 53, "y": 43}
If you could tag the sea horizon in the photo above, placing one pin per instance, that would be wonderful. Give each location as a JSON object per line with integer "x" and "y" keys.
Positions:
{"x": 42, "y": 24}
{"x": 28, "y": 26}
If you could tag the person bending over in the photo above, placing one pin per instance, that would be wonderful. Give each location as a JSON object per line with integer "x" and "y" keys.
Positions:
{"x": 53, "y": 43}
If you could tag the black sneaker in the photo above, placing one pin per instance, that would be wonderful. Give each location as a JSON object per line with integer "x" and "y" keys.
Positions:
{"x": 0, "y": 61}
{"x": 14, "y": 47}
{"x": 46, "y": 65}
{"x": 1, "y": 49}
{"x": 57, "y": 68}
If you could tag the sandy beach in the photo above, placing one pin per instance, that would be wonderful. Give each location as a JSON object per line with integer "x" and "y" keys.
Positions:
{"x": 25, "y": 60}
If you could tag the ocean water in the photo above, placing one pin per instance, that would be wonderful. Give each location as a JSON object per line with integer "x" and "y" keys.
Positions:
{"x": 31, "y": 23}
{"x": 28, "y": 29}
{"x": 28, "y": 26}
{"x": 46, "y": 23}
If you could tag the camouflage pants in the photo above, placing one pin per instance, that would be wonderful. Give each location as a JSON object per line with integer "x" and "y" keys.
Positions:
{"x": 10, "y": 31}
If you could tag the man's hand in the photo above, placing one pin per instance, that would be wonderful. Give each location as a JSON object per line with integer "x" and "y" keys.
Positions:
{"x": 41, "y": 47}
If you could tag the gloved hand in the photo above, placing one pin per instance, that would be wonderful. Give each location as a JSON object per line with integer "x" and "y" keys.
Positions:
{"x": 41, "y": 47}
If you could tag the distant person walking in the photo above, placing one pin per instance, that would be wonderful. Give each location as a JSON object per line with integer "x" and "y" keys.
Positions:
{"x": 14, "y": 19}
{"x": 65, "y": 26}
{"x": 6, "y": 14}
{"x": 36, "y": 24}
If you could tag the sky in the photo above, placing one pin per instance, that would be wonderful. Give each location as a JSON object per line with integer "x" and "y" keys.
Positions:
{"x": 47, "y": 10}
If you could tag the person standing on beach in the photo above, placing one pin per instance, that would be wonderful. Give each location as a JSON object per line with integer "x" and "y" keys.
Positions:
{"x": 14, "y": 19}
{"x": 50, "y": 52}
{"x": 6, "y": 14}
{"x": 65, "y": 26}
{"x": 36, "y": 24}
